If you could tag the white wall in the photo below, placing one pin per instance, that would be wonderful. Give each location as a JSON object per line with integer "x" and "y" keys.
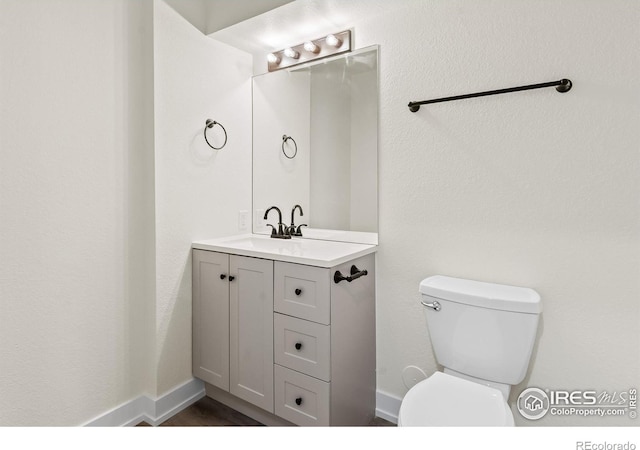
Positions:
{"x": 209, "y": 16}
{"x": 535, "y": 189}
{"x": 95, "y": 304}
{"x": 76, "y": 208}
{"x": 195, "y": 11}
{"x": 223, "y": 13}
{"x": 199, "y": 191}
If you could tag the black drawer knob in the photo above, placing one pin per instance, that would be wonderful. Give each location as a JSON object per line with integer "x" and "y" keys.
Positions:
{"x": 298, "y": 345}
{"x": 298, "y": 291}
{"x": 299, "y": 401}
{"x": 222, "y": 276}
{"x": 231, "y": 278}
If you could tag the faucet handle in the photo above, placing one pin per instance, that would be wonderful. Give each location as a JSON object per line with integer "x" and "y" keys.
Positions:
{"x": 298, "y": 232}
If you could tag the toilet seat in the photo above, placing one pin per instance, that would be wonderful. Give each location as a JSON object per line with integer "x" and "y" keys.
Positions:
{"x": 445, "y": 400}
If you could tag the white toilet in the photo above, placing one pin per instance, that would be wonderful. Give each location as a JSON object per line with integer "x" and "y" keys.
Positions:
{"x": 483, "y": 335}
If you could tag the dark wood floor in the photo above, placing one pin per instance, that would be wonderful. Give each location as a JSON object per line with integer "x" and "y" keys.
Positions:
{"x": 207, "y": 412}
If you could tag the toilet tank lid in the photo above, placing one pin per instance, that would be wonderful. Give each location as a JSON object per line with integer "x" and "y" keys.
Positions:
{"x": 481, "y": 294}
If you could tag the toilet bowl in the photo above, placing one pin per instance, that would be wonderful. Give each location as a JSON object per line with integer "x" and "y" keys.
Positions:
{"x": 444, "y": 400}
{"x": 483, "y": 336}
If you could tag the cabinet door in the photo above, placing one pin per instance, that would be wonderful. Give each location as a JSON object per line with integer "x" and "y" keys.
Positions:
{"x": 251, "y": 330}
{"x": 211, "y": 317}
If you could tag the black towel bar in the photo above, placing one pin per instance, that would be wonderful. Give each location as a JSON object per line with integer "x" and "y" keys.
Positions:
{"x": 355, "y": 274}
{"x": 562, "y": 86}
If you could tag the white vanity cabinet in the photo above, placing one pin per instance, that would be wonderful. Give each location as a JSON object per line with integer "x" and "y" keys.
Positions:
{"x": 282, "y": 341}
{"x": 233, "y": 325}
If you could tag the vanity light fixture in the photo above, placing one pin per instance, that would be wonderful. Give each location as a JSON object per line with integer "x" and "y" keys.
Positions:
{"x": 330, "y": 45}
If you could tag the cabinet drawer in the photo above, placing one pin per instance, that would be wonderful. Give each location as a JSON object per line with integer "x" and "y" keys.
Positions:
{"x": 301, "y": 399}
{"x": 302, "y": 345}
{"x": 302, "y": 291}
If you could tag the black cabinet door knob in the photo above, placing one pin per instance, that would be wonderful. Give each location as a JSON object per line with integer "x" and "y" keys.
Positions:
{"x": 231, "y": 278}
{"x": 298, "y": 291}
{"x": 299, "y": 401}
{"x": 298, "y": 345}
{"x": 222, "y": 276}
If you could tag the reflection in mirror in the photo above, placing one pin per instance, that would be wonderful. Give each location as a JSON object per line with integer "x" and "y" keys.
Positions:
{"x": 329, "y": 112}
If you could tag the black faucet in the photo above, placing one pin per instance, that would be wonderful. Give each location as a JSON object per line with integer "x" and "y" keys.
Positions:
{"x": 291, "y": 230}
{"x": 280, "y": 234}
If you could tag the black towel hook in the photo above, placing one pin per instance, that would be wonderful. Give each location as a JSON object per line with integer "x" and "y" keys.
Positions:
{"x": 209, "y": 124}
{"x": 285, "y": 138}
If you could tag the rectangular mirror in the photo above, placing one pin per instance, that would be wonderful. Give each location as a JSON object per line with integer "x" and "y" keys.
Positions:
{"x": 315, "y": 144}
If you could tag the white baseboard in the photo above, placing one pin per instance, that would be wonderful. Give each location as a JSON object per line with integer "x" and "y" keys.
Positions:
{"x": 154, "y": 412}
{"x": 387, "y": 406}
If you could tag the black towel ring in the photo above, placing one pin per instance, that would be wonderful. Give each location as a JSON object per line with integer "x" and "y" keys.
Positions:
{"x": 285, "y": 138}
{"x": 209, "y": 124}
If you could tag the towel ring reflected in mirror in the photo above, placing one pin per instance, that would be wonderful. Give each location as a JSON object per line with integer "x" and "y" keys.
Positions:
{"x": 210, "y": 124}
{"x": 285, "y": 138}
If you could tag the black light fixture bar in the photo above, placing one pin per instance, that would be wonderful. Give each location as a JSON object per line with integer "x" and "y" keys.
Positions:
{"x": 562, "y": 86}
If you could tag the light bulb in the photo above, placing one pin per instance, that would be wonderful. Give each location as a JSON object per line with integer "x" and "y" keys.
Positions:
{"x": 311, "y": 47}
{"x": 333, "y": 41}
{"x": 273, "y": 58}
{"x": 291, "y": 53}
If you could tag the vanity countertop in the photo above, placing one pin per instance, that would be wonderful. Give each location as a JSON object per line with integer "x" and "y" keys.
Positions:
{"x": 302, "y": 251}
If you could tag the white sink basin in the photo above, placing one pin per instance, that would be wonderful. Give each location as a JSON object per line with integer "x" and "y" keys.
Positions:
{"x": 296, "y": 250}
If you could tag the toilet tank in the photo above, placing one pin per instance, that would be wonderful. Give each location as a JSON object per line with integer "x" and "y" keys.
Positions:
{"x": 482, "y": 330}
